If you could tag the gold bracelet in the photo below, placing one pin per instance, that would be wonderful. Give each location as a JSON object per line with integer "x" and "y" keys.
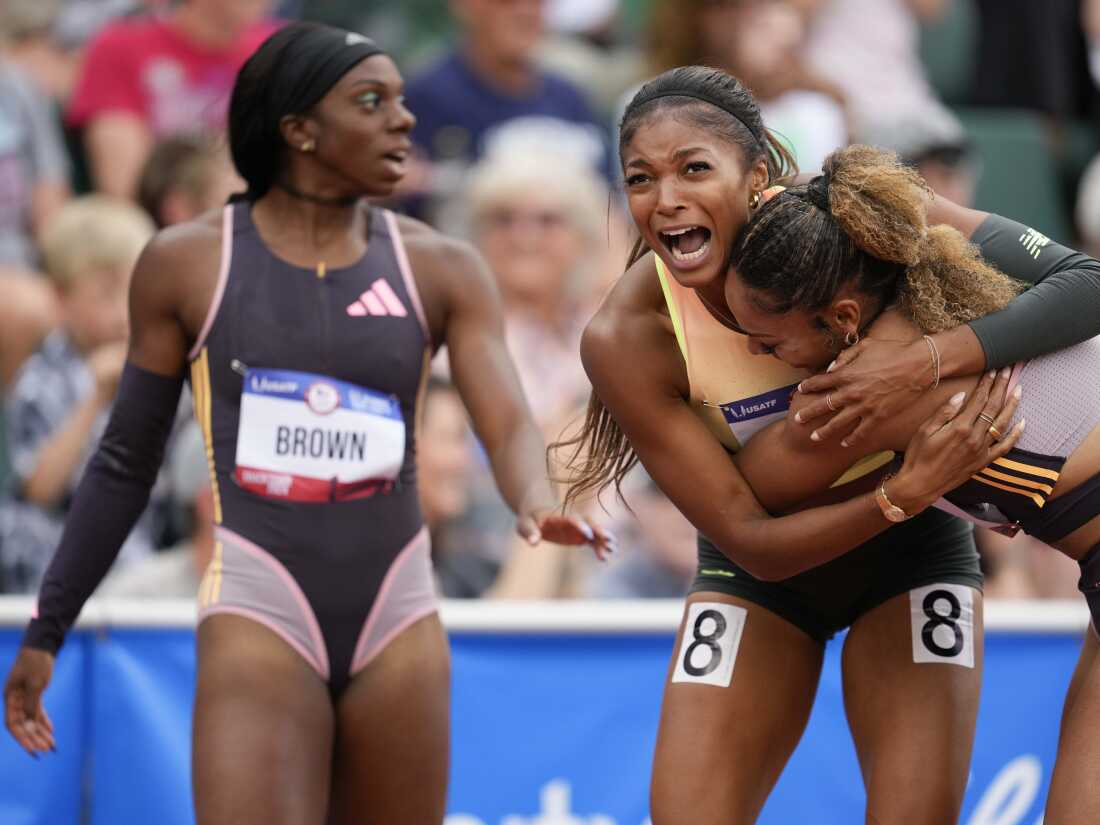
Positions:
{"x": 935, "y": 353}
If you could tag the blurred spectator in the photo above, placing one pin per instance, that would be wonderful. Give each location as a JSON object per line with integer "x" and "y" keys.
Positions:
{"x": 28, "y": 312}
{"x": 583, "y": 45}
{"x": 475, "y": 551}
{"x": 58, "y": 403}
{"x": 463, "y": 554}
{"x": 1024, "y": 568}
{"x": 1088, "y": 208}
{"x": 540, "y": 220}
{"x": 175, "y": 573}
{"x": 761, "y": 43}
{"x": 1035, "y": 56}
{"x": 934, "y": 143}
{"x": 29, "y": 29}
{"x": 658, "y": 558}
{"x": 155, "y": 76}
{"x": 489, "y": 86}
{"x": 870, "y": 50}
{"x": 34, "y": 169}
{"x": 184, "y": 177}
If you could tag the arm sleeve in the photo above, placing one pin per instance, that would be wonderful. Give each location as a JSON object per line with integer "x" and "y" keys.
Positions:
{"x": 1060, "y": 309}
{"x": 110, "y": 498}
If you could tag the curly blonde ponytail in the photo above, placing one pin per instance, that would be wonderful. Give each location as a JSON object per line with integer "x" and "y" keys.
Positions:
{"x": 951, "y": 284}
{"x": 865, "y": 220}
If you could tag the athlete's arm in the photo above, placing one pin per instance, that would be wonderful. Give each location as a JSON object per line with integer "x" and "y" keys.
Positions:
{"x": 876, "y": 380}
{"x": 816, "y": 466}
{"x": 115, "y": 487}
{"x": 486, "y": 380}
{"x": 694, "y": 470}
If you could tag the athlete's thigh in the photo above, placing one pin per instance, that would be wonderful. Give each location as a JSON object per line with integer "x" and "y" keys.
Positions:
{"x": 1074, "y": 790}
{"x": 393, "y": 733}
{"x": 912, "y": 678}
{"x": 739, "y": 692}
{"x": 262, "y": 729}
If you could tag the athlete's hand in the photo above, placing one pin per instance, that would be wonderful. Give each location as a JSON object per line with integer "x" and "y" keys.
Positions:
{"x": 545, "y": 524}
{"x": 867, "y": 384}
{"x": 24, "y": 715}
{"x": 955, "y": 443}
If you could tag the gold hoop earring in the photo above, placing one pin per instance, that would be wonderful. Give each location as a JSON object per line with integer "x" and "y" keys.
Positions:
{"x": 309, "y": 145}
{"x": 754, "y": 201}
{"x": 851, "y": 338}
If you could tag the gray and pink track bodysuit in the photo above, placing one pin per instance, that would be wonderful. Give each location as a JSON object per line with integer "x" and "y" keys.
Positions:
{"x": 306, "y": 385}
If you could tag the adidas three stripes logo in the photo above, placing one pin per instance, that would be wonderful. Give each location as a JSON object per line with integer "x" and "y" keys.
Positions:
{"x": 380, "y": 299}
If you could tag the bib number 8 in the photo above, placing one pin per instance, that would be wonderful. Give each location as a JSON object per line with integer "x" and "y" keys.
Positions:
{"x": 935, "y": 619}
{"x": 942, "y": 618}
{"x": 708, "y": 640}
{"x": 708, "y": 649}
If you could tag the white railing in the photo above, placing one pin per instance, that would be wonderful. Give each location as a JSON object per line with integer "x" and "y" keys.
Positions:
{"x": 580, "y": 616}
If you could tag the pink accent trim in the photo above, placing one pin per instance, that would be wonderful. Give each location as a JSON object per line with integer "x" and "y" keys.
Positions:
{"x": 274, "y": 627}
{"x": 363, "y": 655}
{"x": 367, "y": 656}
{"x": 406, "y": 271}
{"x": 372, "y": 303}
{"x": 357, "y": 310}
{"x": 223, "y": 278}
{"x": 384, "y": 291}
{"x": 948, "y": 507}
{"x": 295, "y": 591}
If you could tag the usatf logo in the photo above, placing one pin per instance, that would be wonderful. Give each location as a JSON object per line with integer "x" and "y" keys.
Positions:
{"x": 1034, "y": 242}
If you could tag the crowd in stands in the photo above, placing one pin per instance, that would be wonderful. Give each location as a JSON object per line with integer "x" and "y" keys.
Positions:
{"x": 112, "y": 117}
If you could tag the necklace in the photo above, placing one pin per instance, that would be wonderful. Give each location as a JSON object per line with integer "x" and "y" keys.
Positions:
{"x": 320, "y": 200}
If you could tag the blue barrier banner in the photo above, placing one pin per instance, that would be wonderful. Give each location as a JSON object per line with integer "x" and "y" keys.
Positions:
{"x": 547, "y": 728}
{"x": 143, "y": 684}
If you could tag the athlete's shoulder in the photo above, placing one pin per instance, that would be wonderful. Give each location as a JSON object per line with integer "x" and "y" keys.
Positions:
{"x": 635, "y": 296}
{"x": 631, "y": 325}
{"x": 425, "y": 238}
{"x": 430, "y": 249}
{"x": 183, "y": 249}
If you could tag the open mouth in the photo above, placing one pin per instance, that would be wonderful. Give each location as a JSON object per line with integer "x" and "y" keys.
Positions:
{"x": 687, "y": 245}
{"x": 397, "y": 156}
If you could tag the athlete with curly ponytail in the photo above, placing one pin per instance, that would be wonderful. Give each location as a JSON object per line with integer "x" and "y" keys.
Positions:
{"x": 676, "y": 388}
{"x": 850, "y": 257}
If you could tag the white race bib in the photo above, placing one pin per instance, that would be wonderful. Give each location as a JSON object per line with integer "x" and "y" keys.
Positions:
{"x": 307, "y": 437}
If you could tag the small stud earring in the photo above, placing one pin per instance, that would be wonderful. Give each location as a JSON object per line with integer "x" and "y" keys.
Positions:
{"x": 309, "y": 145}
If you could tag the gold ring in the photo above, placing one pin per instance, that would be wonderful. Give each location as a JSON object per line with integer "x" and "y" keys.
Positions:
{"x": 993, "y": 431}
{"x": 829, "y": 402}
{"x": 988, "y": 419}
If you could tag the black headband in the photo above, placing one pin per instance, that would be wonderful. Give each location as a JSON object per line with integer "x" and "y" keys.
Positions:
{"x": 321, "y": 56}
{"x": 703, "y": 96}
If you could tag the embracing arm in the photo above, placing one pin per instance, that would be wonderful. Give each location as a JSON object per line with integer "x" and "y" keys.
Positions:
{"x": 115, "y": 487}
{"x": 694, "y": 470}
{"x": 1060, "y": 309}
